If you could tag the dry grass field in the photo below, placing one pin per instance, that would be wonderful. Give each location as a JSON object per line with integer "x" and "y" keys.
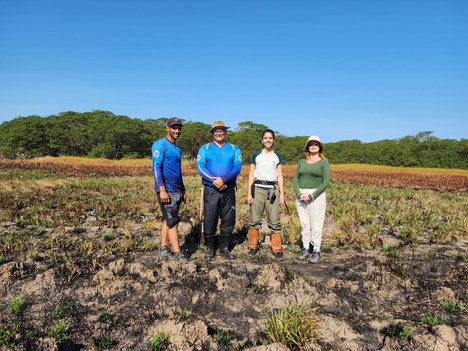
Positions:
{"x": 78, "y": 269}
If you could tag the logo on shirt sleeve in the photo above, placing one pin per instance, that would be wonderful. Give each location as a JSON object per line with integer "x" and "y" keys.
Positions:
{"x": 240, "y": 157}
{"x": 156, "y": 153}
{"x": 198, "y": 158}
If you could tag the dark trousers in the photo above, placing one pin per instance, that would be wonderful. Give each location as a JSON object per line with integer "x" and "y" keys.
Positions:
{"x": 219, "y": 204}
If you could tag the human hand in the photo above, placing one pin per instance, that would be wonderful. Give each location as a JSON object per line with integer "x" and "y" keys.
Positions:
{"x": 218, "y": 182}
{"x": 304, "y": 198}
{"x": 281, "y": 199}
{"x": 185, "y": 198}
{"x": 250, "y": 199}
{"x": 164, "y": 197}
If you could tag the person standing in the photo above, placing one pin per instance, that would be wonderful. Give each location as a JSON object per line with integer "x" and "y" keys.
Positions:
{"x": 311, "y": 180}
{"x": 169, "y": 187}
{"x": 219, "y": 163}
{"x": 265, "y": 193}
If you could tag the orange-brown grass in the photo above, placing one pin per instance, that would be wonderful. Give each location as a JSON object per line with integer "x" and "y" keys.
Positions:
{"x": 417, "y": 178}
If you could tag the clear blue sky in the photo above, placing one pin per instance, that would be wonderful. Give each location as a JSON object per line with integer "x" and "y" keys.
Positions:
{"x": 340, "y": 69}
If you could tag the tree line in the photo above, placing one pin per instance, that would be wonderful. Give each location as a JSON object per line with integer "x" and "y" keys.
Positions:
{"x": 103, "y": 134}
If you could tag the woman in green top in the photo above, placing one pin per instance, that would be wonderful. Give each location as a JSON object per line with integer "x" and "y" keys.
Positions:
{"x": 310, "y": 182}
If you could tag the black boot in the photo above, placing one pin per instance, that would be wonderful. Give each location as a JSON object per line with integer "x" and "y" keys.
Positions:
{"x": 209, "y": 244}
{"x": 224, "y": 247}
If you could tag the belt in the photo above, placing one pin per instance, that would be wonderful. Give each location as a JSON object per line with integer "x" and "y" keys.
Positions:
{"x": 264, "y": 182}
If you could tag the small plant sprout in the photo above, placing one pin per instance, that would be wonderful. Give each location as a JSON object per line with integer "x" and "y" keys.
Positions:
{"x": 434, "y": 319}
{"x": 453, "y": 306}
{"x": 109, "y": 236}
{"x": 59, "y": 331}
{"x": 17, "y": 305}
{"x": 294, "y": 326}
{"x": 224, "y": 337}
{"x": 398, "y": 330}
{"x": 159, "y": 341}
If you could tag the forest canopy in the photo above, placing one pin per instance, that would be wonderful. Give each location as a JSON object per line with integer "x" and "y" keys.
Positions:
{"x": 104, "y": 134}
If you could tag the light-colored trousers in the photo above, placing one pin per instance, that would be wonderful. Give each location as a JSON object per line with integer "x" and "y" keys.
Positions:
{"x": 312, "y": 217}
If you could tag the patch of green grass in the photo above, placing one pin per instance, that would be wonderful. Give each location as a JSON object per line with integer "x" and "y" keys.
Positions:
{"x": 398, "y": 330}
{"x": 9, "y": 335}
{"x": 3, "y": 259}
{"x": 59, "y": 331}
{"x": 258, "y": 288}
{"x": 105, "y": 316}
{"x": 453, "y": 306}
{"x": 17, "y": 305}
{"x": 392, "y": 251}
{"x": 434, "y": 319}
{"x": 109, "y": 236}
{"x": 103, "y": 343}
{"x": 183, "y": 314}
{"x": 159, "y": 341}
{"x": 294, "y": 326}
{"x": 224, "y": 337}
{"x": 60, "y": 311}
{"x": 78, "y": 229}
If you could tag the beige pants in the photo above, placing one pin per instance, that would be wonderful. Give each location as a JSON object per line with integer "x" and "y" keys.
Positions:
{"x": 312, "y": 217}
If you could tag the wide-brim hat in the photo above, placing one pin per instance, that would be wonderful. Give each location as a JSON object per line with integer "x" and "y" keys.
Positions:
{"x": 218, "y": 125}
{"x": 313, "y": 138}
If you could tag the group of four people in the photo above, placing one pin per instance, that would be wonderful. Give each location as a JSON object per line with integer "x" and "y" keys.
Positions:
{"x": 218, "y": 163}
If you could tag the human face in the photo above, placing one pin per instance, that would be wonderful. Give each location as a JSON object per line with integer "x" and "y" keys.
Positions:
{"x": 219, "y": 136}
{"x": 173, "y": 132}
{"x": 268, "y": 140}
{"x": 313, "y": 147}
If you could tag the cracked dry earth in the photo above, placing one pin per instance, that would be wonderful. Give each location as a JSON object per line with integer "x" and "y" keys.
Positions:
{"x": 358, "y": 292}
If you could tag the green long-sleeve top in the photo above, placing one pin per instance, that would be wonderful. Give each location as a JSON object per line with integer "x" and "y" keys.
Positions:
{"x": 312, "y": 176}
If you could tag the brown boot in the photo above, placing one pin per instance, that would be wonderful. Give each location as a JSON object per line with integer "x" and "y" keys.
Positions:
{"x": 253, "y": 241}
{"x": 276, "y": 242}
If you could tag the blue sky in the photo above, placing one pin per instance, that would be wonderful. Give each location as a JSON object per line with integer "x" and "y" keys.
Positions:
{"x": 340, "y": 69}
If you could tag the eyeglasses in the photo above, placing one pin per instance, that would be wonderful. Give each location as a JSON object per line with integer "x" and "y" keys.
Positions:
{"x": 313, "y": 144}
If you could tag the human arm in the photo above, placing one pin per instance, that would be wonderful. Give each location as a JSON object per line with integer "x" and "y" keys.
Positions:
{"x": 201, "y": 165}
{"x": 158, "y": 152}
{"x": 280, "y": 183}
{"x": 326, "y": 175}
{"x": 250, "y": 198}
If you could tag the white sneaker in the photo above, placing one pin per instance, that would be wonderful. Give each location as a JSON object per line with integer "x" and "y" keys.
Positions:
{"x": 315, "y": 257}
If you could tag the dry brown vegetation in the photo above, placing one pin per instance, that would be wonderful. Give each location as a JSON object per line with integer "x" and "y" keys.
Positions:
{"x": 417, "y": 178}
{"x": 78, "y": 268}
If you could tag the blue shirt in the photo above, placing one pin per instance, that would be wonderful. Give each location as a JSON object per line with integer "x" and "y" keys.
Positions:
{"x": 167, "y": 165}
{"x": 219, "y": 161}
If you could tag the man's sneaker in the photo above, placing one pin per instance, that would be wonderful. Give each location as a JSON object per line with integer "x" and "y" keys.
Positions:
{"x": 315, "y": 257}
{"x": 253, "y": 252}
{"x": 278, "y": 255}
{"x": 305, "y": 253}
{"x": 164, "y": 253}
{"x": 179, "y": 256}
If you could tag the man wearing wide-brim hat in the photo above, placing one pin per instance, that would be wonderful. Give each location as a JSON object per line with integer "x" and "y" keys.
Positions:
{"x": 219, "y": 163}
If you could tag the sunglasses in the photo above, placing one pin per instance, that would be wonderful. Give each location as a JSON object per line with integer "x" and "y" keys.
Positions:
{"x": 313, "y": 144}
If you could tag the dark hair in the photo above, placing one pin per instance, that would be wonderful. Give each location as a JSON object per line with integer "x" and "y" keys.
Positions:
{"x": 268, "y": 131}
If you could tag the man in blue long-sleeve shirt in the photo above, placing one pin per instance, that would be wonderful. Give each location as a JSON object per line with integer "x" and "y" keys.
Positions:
{"x": 169, "y": 186}
{"x": 219, "y": 163}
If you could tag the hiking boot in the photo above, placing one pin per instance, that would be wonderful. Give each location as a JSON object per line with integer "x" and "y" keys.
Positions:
{"x": 179, "y": 256}
{"x": 278, "y": 255}
{"x": 315, "y": 257}
{"x": 164, "y": 253}
{"x": 209, "y": 253}
{"x": 305, "y": 253}
{"x": 226, "y": 253}
{"x": 253, "y": 252}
